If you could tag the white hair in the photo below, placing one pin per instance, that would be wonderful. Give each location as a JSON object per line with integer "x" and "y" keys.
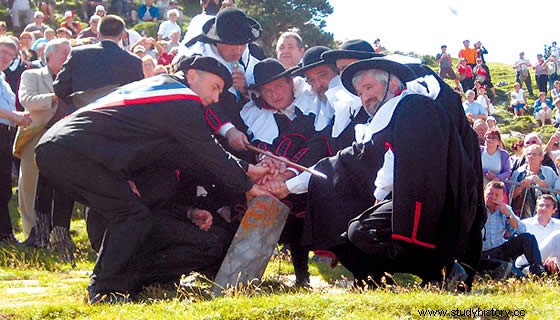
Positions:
{"x": 53, "y": 45}
{"x": 379, "y": 75}
{"x": 173, "y": 11}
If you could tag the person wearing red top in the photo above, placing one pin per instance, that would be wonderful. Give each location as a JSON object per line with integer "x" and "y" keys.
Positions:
{"x": 465, "y": 72}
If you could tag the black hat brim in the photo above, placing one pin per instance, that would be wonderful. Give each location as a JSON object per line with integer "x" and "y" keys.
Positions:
{"x": 332, "y": 55}
{"x": 287, "y": 73}
{"x": 401, "y": 71}
{"x": 207, "y": 64}
{"x": 211, "y": 36}
{"x": 300, "y": 70}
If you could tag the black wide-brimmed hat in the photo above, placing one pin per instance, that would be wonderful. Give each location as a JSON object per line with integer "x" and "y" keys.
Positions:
{"x": 351, "y": 49}
{"x": 231, "y": 26}
{"x": 267, "y": 71}
{"x": 207, "y": 64}
{"x": 311, "y": 59}
{"x": 399, "y": 70}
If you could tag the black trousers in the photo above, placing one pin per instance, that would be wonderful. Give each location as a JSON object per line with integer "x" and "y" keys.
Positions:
{"x": 5, "y": 180}
{"x": 108, "y": 193}
{"x": 54, "y": 203}
{"x": 542, "y": 82}
{"x": 524, "y": 243}
{"x": 370, "y": 251}
{"x": 176, "y": 247}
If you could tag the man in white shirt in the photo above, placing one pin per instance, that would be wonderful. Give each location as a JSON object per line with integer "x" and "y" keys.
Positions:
{"x": 547, "y": 232}
{"x": 522, "y": 74}
{"x": 8, "y": 117}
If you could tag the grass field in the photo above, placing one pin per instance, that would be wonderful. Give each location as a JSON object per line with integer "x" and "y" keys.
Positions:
{"x": 35, "y": 285}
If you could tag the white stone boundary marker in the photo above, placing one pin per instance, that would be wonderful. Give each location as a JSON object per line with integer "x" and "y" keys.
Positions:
{"x": 253, "y": 243}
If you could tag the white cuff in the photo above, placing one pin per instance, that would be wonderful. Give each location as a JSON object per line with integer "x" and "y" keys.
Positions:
{"x": 225, "y": 128}
{"x": 299, "y": 184}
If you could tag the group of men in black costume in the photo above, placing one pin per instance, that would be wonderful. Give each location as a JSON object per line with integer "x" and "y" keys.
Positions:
{"x": 403, "y": 192}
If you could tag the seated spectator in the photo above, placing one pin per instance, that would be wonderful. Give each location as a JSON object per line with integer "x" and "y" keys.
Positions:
{"x": 473, "y": 109}
{"x": 465, "y": 74}
{"x": 518, "y": 100}
{"x": 480, "y": 127}
{"x": 148, "y": 66}
{"x": 530, "y": 180}
{"x": 100, "y": 11}
{"x": 517, "y": 156}
{"x": 501, "y": 222}
{"x": 140, "y": 51}
{"x": 556, "y": 117}
{"x": 483, "y": 99}
{"x": 482, "y": 74}
{"x": 174, "y": 39}
{"x": 130, "y": 39}
{"x": 71, "y": 25}
{"x": 50, "y": 34}
{"x": 148, "y": 12}
{"x": 169, "y": 26}
{"x": 530, "y": 139}
{"x": 492, "y": 124}
{"x": 551, "y": 149}
{"x": 164, "y": 57}
{"x": 555, "y": 91}
{"x": 543, "y": 109}
{"x": 91, "y": 31}
{"x": 3, "y": 28}
{"x": 25, "y": 41}
{"x": 547, "y": 232}
{"x": 37, "y": 24}
{"x": 495, "y": 160}
{"x": 63, "y": 33}
{"x": 174, "y": 4}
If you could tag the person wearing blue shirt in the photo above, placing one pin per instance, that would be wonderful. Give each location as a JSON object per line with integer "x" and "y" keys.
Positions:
{"x": 543, "y": 109}
{"x": 148, "y": 12}
{"x": 473, "y": 109}
{"x": 9, "y": 117}
{"x": 503, "y": 236}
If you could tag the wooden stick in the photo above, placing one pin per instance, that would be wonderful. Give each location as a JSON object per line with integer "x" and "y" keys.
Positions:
{"x": 286, "y": 161}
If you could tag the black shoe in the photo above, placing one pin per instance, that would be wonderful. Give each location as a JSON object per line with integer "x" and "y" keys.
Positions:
{"x": 95, "y": 297}
{"x": 31, "y": 241}
{"x": 455, "y": 278}
{"x": 303, "y": 281}
{"x": 9, "y": 239}
{"x": 61, "y": 241}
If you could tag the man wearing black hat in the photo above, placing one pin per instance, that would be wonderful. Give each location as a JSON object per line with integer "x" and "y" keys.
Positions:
{"x": 156, "y": 122}
{"x": 277, "y": 123}
{"x": 226, "y": 38}
{"x": 348, "y": 109}
{"x": 320, "y": 76}
{"x": 410, "y": 161}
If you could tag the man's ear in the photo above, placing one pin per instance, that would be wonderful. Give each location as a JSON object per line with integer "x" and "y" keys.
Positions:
{"x": 191, "y": 76}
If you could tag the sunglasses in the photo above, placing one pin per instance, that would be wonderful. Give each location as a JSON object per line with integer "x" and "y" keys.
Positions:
{"x": 528, "y": 143}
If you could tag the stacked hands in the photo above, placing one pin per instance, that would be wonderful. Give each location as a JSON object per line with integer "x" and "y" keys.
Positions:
{"x": 269, "y": 177}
